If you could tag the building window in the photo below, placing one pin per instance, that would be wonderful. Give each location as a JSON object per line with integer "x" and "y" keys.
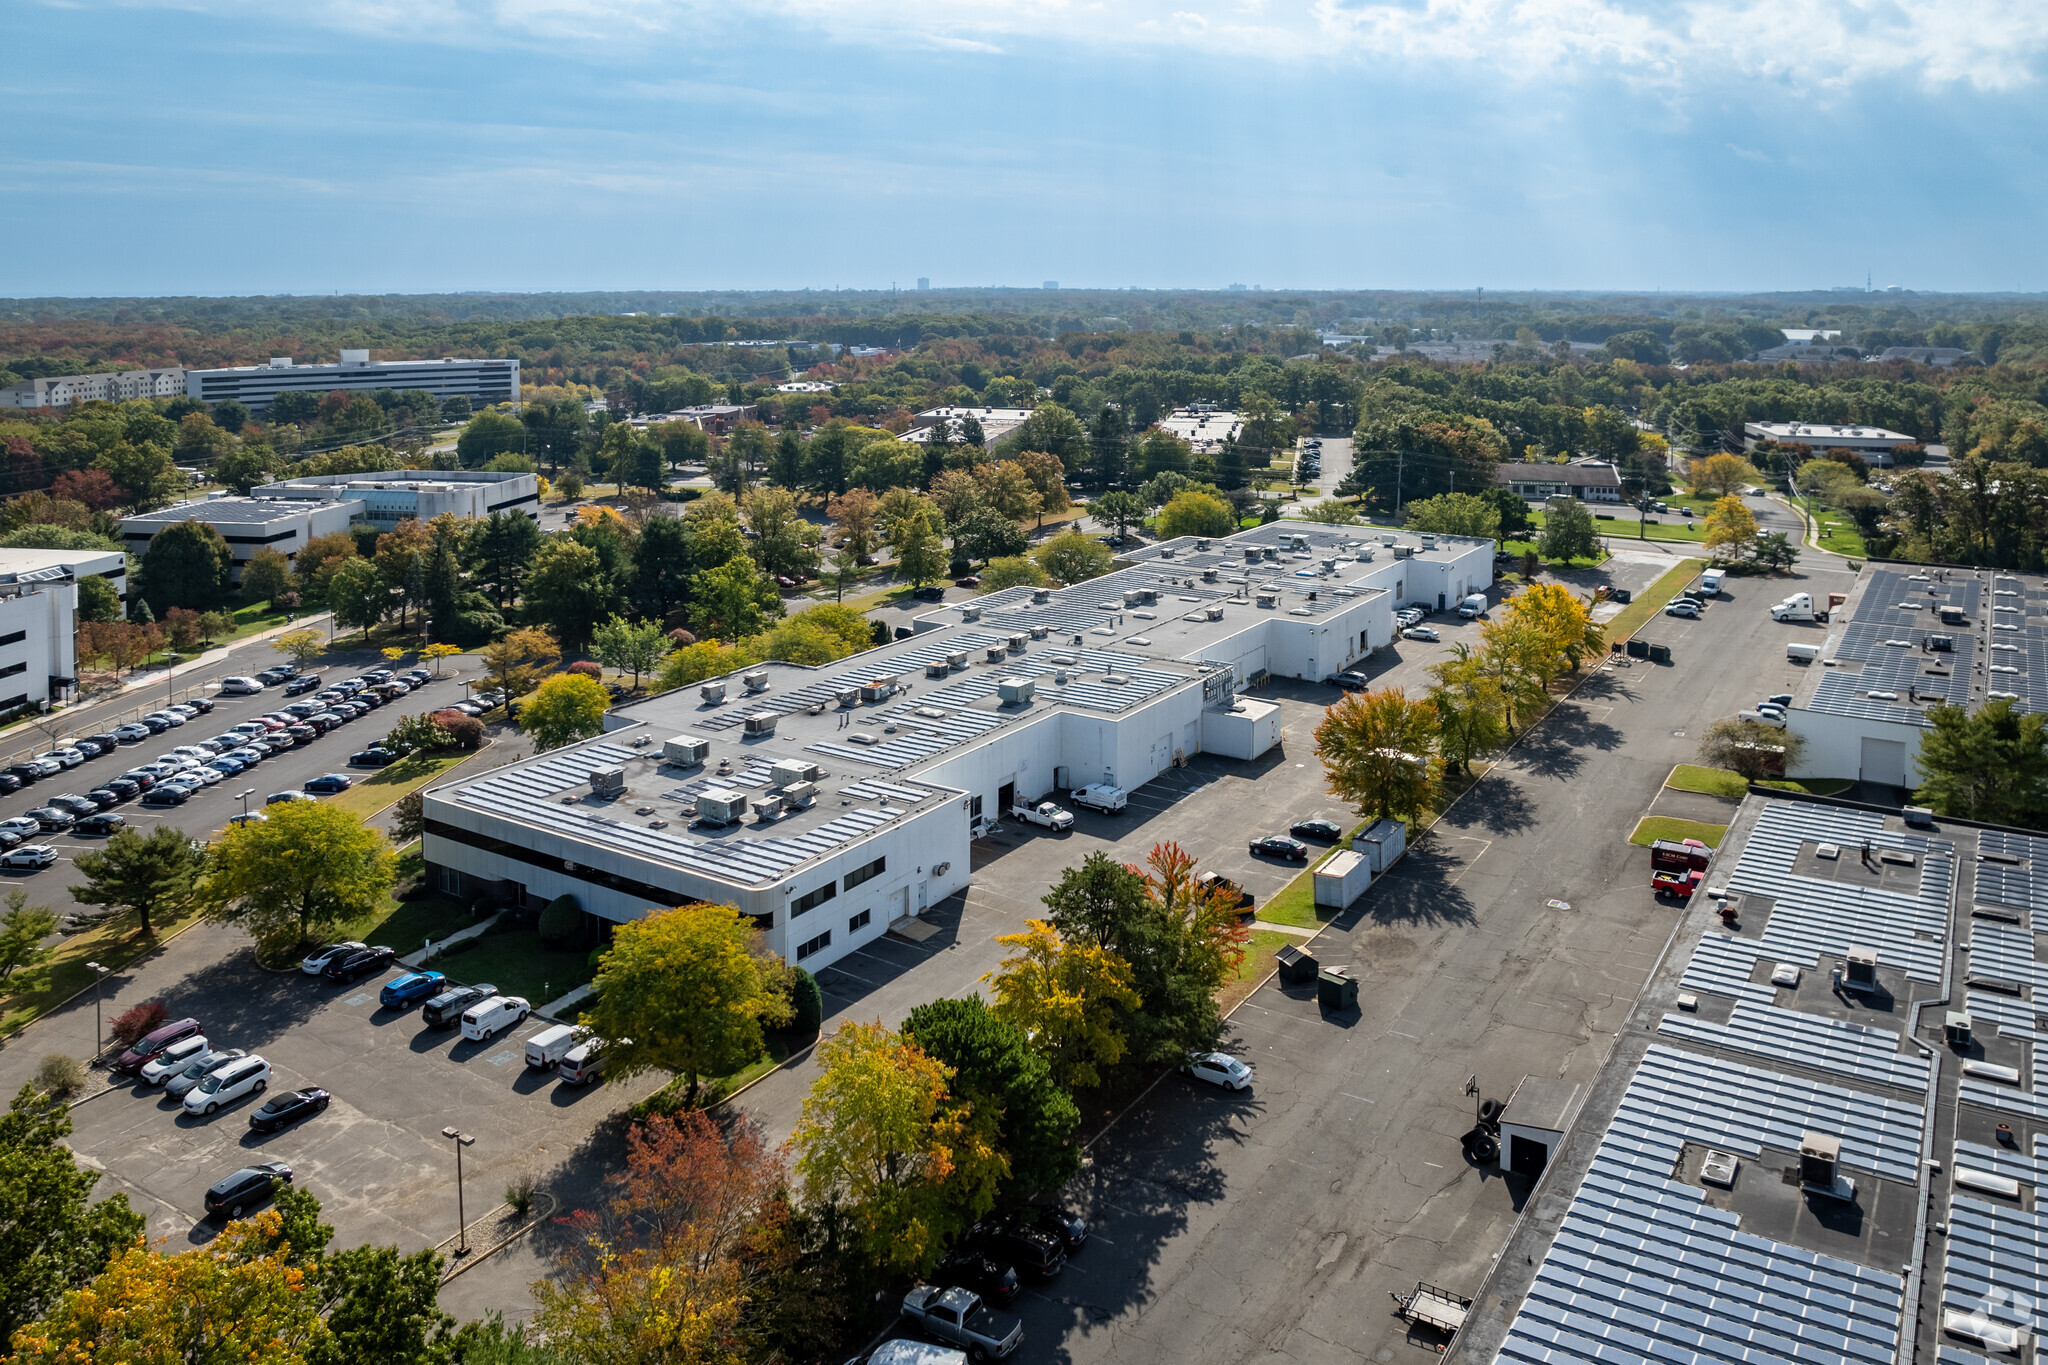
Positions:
{"x": 13, "y": 669}
{"x": 811, "y": 900}
{"x": 816, "y": 945}
{"x": 975, "y": 810}
{"x": 853, "y": 878}
{"x": 14, "y": 637}
{"x": 859, "y": 922}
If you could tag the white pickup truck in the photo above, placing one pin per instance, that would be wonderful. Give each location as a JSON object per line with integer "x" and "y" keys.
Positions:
{"x": 1044, "y": 813}
{"x": 1108, "y": 800}
{"x": 958, "y": 1316}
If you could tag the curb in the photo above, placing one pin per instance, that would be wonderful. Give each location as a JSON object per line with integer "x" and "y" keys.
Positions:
{"x": 476, "y": 1258}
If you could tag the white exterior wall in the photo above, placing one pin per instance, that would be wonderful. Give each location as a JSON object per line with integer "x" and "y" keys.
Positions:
{"x": 1244, "y": 733}
{"x": 44, "y": 619}
{"x": 1834, "y": 744}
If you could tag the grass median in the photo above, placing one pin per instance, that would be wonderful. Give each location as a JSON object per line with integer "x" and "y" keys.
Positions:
{"x": 403, "y": 778}
{"x": 1651, "y": 828}
{"x": 1653, "y": 599}
{"x": 1691, "y": 777}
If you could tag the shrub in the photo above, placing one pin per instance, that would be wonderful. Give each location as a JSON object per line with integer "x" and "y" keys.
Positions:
{"x": 570, "y": 486}
{"x": 467, "y": 732}
{"x": 680, "y": 637}
{"x": 60, "y": 1077}
{"x": 808, "y": 1000}
{"x": 519, "y": 1194}
{"x": 586, "y": 669}
{"x": 132, "y": 1024}
{"x": 561, "y": 923}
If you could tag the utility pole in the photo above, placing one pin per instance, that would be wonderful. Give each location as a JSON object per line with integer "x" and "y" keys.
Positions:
{"x": 1400, "y": 468}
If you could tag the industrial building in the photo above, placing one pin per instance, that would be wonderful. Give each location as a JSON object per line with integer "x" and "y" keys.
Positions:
{"x": 1588, "y": 481}
{"x": 1866, "y": 441}
{"x": 995, "y": 423}
{"x": 482, "y": 382}
{"x": 113, "y": 386}
{"x": 1823, "y": 1132}
{"x": 39, "y": 619}
{"x": 830, "y": 802}
{"x": 247, "y": 524}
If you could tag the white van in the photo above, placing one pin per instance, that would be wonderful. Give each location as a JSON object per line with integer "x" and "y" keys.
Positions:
{"x": 1473, "y": 606}
{"x": 247, "y": 1077}
{"x": 493, "y": 1016}
{"x": 549, "y": 1046}
{"x": 904, "y": 1351}
{"x": 583, "y": 1063}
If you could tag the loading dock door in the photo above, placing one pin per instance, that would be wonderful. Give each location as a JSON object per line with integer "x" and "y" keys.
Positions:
{"x": 1526, "y": 1156}
{"x": 1006, "y": 797}
{"x": 1884, "y": 760}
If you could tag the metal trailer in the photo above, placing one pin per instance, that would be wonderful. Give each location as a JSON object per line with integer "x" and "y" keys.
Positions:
{"x": 1440, "y": 1309}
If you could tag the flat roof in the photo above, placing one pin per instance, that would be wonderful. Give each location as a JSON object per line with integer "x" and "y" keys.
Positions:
{"x": 354, "y": 365}
{"x": 241, "y": 511}
{"x": 402, "y": 478}
{"x": 1818, "y": 431}
{"x": 1318, "y": 539}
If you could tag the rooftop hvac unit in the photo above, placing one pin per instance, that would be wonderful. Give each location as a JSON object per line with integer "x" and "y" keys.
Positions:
{"x": 800, "y": 795}
{"x": 1329, "y": 566}
{"x": 785, "y": 771}
{"x": 1040, "y": 596}
{"x": 767, "y": 808}
{"x": 1213, "y": 613}
{"x": 1059, "y": 677}
{"x": 998, "y": 653}
{"x": 970, "y": 613}
{"x": 878, "y": 688}
{"x": 847, "y": 696}
{"x": 756, "y": 679}
{"x": 937, "y": 669}
{"x": 685, "y": 751}
{"x": 1016, "y": 691}
{"x": 1297, "y": 542}
{"x": 956, "y": 658}
{"x": 1017, "y": 643}
{"x": 762, "y": 723}
{"x": 713, "y": 693}
{"x": 1208, "y": 575}
{"x": 1859, "y": 970}
{"x": 1269, "y": 599}
{"x": 1040, "y": 632}
{"x": 1429, "y": 542}
{"x": 608, "y": 782}
{"x": 1365, "y": 555}
{"x": 721, "y": 805}
{"x": 1251, "y": 554}
{"x": 1272, "y": 553}
{"x": 1403, "y": 551}
{"x": 1390, "y": 540}
{"x": 1819, "y": 1155}
{"x": 1201, "y": 542}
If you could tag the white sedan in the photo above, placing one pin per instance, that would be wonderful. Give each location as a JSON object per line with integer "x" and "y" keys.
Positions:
{"x": 1219, "y": 1068}
{"x": 1421, "y": 633}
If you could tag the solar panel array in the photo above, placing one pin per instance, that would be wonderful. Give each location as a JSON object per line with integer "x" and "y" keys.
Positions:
{"x": 1894, "y": 616}
{"x": 1835, "y": 1045}
{"x": 1722, "y": 965}
{"x": 1996, "y": 1263}
{"x": 1643, "y": 1268}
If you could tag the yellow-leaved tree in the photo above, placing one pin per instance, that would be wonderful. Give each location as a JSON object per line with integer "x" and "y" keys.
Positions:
{"x": 1721, "y": 475}
{"x": 1730, "y": 528}
{"x": 1067, "y": 996}
{"x": 1565, "y": 619}
{"x": 1379, "y": 751}
{"x": 881, "y": 1140}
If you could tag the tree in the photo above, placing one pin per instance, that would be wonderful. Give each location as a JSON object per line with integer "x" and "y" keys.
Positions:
{"x": 1991, "y": 766}
{"x": 1456, "y": 514}
{"x": 1521, "y": 658}
{"x": 1052, "y": 428}
{"x": 630, "y": 648}
{"x": 686, "y": 990}
{"x": 1071, "y": 996}
{"x": 145, "y": 472}
{"x": 856, "y": 514}
{"x": 245, "y": 467}
{"x": 1721, "y": 475}
{"x": 1471, "y": 713}
{"x": 563, "y": 709}
{"x": 515, "y": 664}
{"x": 1012, "y": 571}
{"x": 987, "y": 534}
{"x": 1118, "y": 510}
{"x": 1071, "y": 557}
{"x": 186, "y": 565}
{"x": 307, "y": 868}
{"x": 1568, "y": 532}
{"x": 51, "y": 1239}
{"x": 488, "y": 434}
{"x": 321, "y": 558}
{"x": 567, "y": 590}
{"x": 434, "y": 653}
{"x": 383, "y": 1308}
{"x": 303, "y": 646}
{"x": 503, "y": 548}
{"x": 734, "y": 599}
{"x": 417, "y": 733}
{"x": 1193, "y": 513}
{"x": 957, "y": 494}
{"x": 784, "y": 542}
{"x": 996, "y": 1072}
{"x": 1752, "y": 750}
{"x": 140, "y": 875}
{"x": 1731, "y": 528}
{"x": 22, "y": 931}
{"x": 357, "y": 595}
{"x": 881, "y": 1140}
{"x": 97, "y": 600}
{"x": 237, "y": 1298}
{"x": 1379, "y": 752}
{"x": 1006, "y": 487}
{"x": 401, "y": 559}
{"x": 1565, "y": 620}
{"x": 266, "y": 577}
{"x": 93, "y": 487}
{"x": 1774, "y": 552}
{"x": 1331, "y": 512}
{"x": 920, "y": 557}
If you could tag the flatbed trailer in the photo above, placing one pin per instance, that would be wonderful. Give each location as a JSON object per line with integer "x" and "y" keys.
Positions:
{"x": 1435, "y": 1308}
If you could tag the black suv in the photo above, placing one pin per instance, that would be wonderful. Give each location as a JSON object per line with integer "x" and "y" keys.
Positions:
{"x": 995, "y": 1282}
{"x": 304, "y": 683}
{"x": 445, "y": 1010}
{"x": 1035, "y": 1253}
{"x": 246, "y": 1188}
{"x": 359, "y": 963}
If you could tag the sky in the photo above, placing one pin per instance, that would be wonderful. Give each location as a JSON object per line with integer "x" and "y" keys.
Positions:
{"x": 161, "y": 147}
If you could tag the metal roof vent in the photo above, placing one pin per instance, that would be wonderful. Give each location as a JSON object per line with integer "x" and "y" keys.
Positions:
{"x": 756, "y": 679}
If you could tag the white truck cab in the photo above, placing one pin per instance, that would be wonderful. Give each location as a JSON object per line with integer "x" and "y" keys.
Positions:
{"x": 1044, "y": 813}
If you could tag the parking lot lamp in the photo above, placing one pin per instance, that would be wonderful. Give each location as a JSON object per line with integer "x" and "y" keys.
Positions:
{"x": 99, "y": 974}
{"x": 245, "y": 801}
{"x": 461, "y": 1140}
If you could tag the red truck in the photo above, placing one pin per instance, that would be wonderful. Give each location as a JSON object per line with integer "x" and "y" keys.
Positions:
{"x": 1678, "y": 867}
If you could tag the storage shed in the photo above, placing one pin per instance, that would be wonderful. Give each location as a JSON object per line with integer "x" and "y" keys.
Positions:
{"x": 1297, "y": 965}
{"x": 1381, "y": 842}
{"x": 1534, "y": 1122}
{"x": 1342, "y": 879}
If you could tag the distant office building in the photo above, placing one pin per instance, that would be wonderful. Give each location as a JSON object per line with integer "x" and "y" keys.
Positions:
{"x": 246, "y": 524}
{"x": 715, "y": 418}
{"x": 1050, "y": 284}
{"x": 115, "y": 386}
{"x": 384, "y": 500}
{"x": 1809, "y": 335}
{"x": 1542, "y": 482}
{"x": 924, "y": 282}
{"x": 1943, "y": 356}
{"x": 39, "y": 619}
{"x": 482, "y": 382}
{"x": 1821, "y": 436}
{"x": 1203, "y": 427}
{"x": 996, "y": 423}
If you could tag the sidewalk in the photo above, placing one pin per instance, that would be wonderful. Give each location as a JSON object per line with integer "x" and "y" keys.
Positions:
{"x": 562, "y": 1007}
{"x": 219, "y": 654}
{"x": 419, "y": 958}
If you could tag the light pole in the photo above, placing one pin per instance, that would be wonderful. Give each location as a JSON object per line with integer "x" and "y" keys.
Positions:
{"x": 245, "y": 802}
{"x": 461, "y": 1140}
{"x": 99, "y": 974}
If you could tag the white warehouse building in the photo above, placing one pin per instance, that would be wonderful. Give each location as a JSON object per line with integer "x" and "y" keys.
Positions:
{"x": 828, "y": 803}
{"x": 482, "y": 382}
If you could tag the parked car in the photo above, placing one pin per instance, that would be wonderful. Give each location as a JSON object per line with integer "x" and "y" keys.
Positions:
{"x": 166, "y": 794}
{"x": 1351, "y": 680}
{"x": 970, "y": 581}
{"x": 143, "y": 778}
{"x": 445, "y": 1010}
{"x": 583, "y": 1063}
{"x": 66, "y": 757}
{"x": 1216, "y": 881}
{"x": 376, "y": 756}
{"x": 240, "y": 687}
{"x": 402, "y": 992}
{"x": 996, "y": 1282}
{"x": 279, "y": 798}
{"x": 149, "y": 1044}
{"x": 105, "y": 798}
{"x": 246, "y": 1188}
{"x": 1685, "y": 609}
{"x": 51, "y": 819}
{"x": 1280, "y": 846}
{"x": 99, "y": 826}
{"x": 1421, "y": 633}
{"x": 199, "y": 1068}
{"x": 930, "y": 592}
{"x": 132, "y": 733}
{"x": 1329, "y": 831}
{"x": 9, "y": 782}
{"x": 304, "y": 683}
{"x": 126, "y": 788}
{"x": 249, "y": 817}
{"x": 24, "y": 773}
{"x": 1219, "y": 1069}
{"x": 1070, "y": 1227}
{"x": 328, "y": 784}
{"x": 313, "y": 964}
{"x": 488, "y": 1018}
{"x": 246, "y": 1076}
{"x": 282, "y": 1110}
{"x": 1034, "y": 1253}
{"x": 171, "y": 719}
{"x": 74, "y": 805}
{"x": 355, "y": 965}
{"x": 959, "y": 1317}
{"x": 172, "y": 1059}
{"x": 45, "y": 767}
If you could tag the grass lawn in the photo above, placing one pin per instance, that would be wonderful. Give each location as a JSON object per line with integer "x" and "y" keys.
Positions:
{"x": 1653, "y": 827}
{"x": 1813, "y": 786}
{"x": 1295, "y": 903}
{"x": 1691, "y": 777}
{"x": 255, "y": 620}
{"x": 518, "y": 965}
{"x": 1839, "y": 534}
{"x": 373, "y": 794}
{"x": 1651, "y": 600}
{"x": 27, "y": 995}
{"x": 886, "y": 597}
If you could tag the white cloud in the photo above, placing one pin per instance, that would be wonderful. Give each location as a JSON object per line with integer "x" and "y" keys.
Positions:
{"x": 1826, "y": 45}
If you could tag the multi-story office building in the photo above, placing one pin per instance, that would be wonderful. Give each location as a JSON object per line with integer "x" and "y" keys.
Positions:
{"x": 247, "y": 524}
{"x": 384, "y": 500}
{"x": 482, "y": 382}
{"x": 39, "y": 619}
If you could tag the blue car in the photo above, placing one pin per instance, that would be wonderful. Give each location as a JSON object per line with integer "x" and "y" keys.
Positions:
{"x": 411, "y": 988}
